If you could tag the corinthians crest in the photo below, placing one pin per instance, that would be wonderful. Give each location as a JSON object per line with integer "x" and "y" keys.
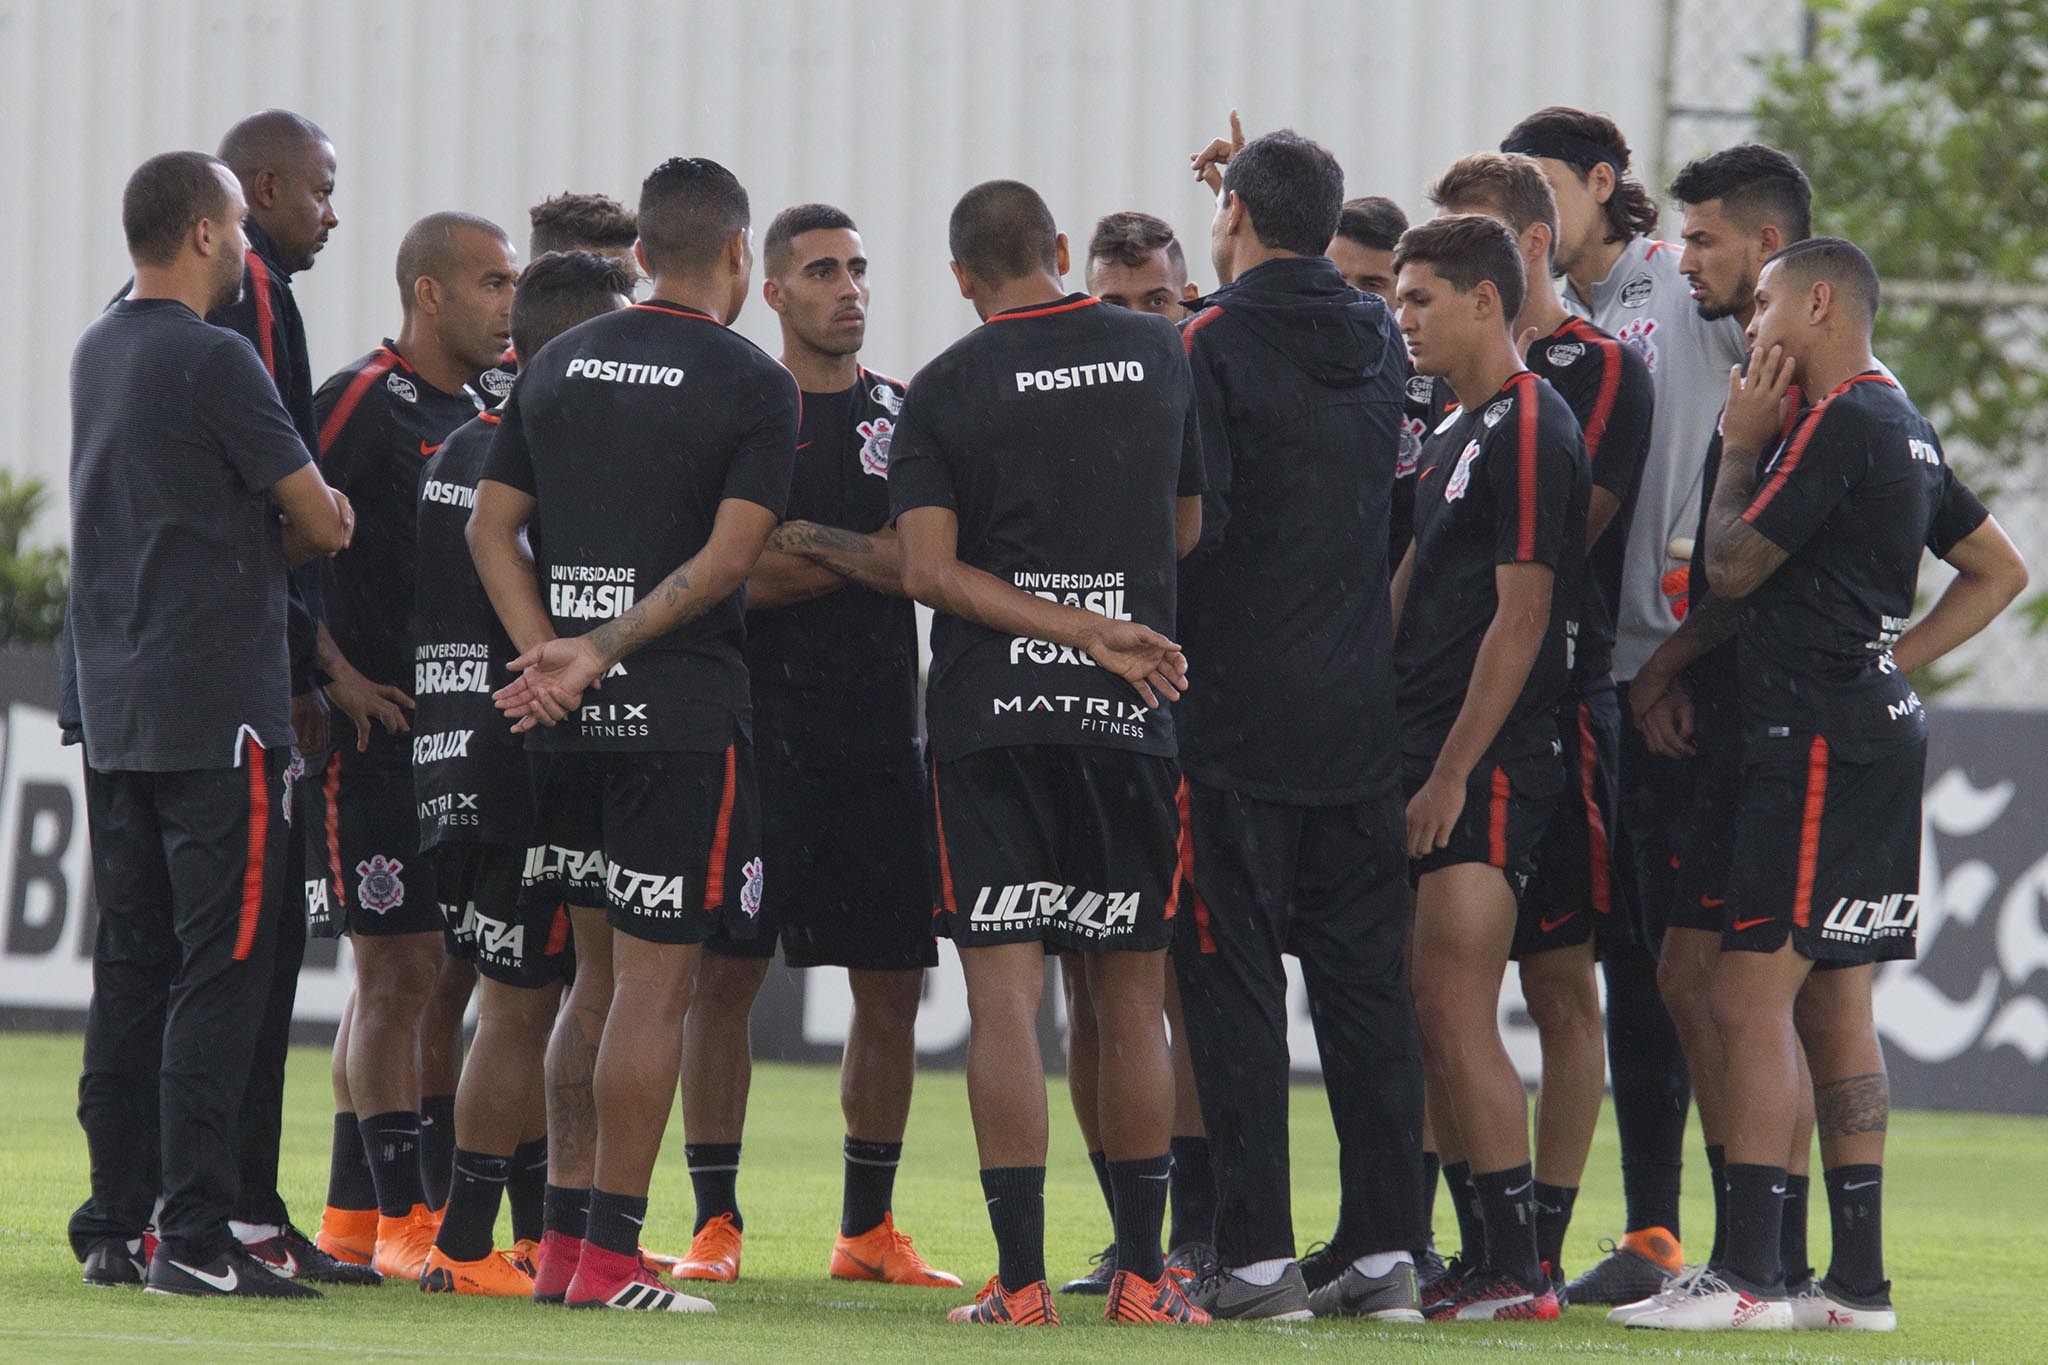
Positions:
{"x": 380, "y": 888}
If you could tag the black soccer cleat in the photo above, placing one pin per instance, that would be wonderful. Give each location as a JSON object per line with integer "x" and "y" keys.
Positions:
{"x": 113, "y": 1263}
{"x": 234, "y": 1274}
{"x": 291, "y": 1255}
{"x": 1097, "y": 1280}
{"x": 1323, "y": 1264}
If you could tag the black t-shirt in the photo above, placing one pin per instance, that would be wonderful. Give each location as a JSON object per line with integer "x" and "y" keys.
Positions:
{"x": 629, "y": 430}
{"x": 1060, "y": 437}
{"x": 1426, "y": 400}
{"x": 1505, "y": 484}
{"x": 469, "y": 774}
{"x": 177, "y": 598}
{"x": 1610, "y": 391}
{"x": 835, "y": 678}
{"x": 379, "y": 422}
{"x": 1853, "y": 498}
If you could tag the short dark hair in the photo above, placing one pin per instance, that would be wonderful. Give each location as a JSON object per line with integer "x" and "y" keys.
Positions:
{"x": 559, "y": 290}
{"x": 1838, "y": 261}
{"x": 1582, "y": 141}
{"x": 165, "y": 198}
{"x": 689, "y": 207}
{"x": 1373, "y": 221}
{"x": 427, "y": 251}
{"x": 1129, "y": 238}
{"x": 1292, "y": 188}
{"x": 1466, "y": 248}
{"x": 579, "y": 222}
{"x": 1755, "y": 184}
{"x": 1510, "y": 184}
{"x": 268, "y": 140}
{"x": 1001, "y": 230}
{"x": 792, "y": 223}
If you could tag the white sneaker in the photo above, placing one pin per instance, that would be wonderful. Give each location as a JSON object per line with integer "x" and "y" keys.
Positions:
{"x": 1708, "y": 1303}
{"x": 1818, "y": 1308}
{"x": 1674, "y": 1288}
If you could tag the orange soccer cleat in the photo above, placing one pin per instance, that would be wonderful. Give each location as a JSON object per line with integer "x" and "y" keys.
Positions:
{"x": 885, "y": 1256}
{"x": 495, "y": 1276}
{"x": 714, "y": 1252}
{"x": 403, "y": 1243}
{"x": 523, "y": 1254}
{"x": 348, "y": 1235}
{"x": 1030, "y": 1306}
{"x": 1163, "y": 1300}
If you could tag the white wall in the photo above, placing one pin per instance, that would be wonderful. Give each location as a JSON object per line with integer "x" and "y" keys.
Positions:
{"x": 889, "y": 108}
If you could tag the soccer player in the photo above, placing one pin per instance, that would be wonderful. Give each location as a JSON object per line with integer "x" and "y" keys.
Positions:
{"x": 1043, "y": 478}
{"x": 381, "y": 418}
{"x": 1742, "y": 205}
{"x": 648, "y": 454}
{"x": 182, "y": 457}
{"x": 1136, "y": 261}
{"x": 1819, "y": 538}
{"x": 477, "y": 819}
{"x": 1627, "y": 284}
{"x": 1569, "y": 903}
{"x": 1288, "y": 747}
{"x": 1487, "y": 604}
{"x": 584, "y": 222}
{"x": 1368, "y": 229}
{"x": 832, "y": 655}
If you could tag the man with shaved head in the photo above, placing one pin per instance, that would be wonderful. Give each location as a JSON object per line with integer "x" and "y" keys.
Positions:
{"x": 381, "y": 417}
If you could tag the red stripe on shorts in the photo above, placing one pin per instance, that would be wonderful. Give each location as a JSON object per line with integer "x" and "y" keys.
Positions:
{"x": 330, "y": 787}
{"x": 259, "y": 841}
{"x": 1596, "y": 824}
{"x": 1809, "y": 830}
{"x": 721, "y": 835}
{"x": 1497, "y": 820}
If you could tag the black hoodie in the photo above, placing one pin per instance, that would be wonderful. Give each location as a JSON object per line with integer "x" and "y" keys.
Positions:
{"x": 1283, "y": 609}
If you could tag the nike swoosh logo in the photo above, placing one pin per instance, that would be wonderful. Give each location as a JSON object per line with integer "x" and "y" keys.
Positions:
{"x": 873, "y": 1270}
{"x": 1860, "y": 1185}
{"x": 288, "y": 1268}
{"x": 426, "y": 450}
{"x": 1743, "y": 924}
{"x": 1712, "y": 902}
{"x": 1546, "y": 925}
{"x": 806, "y": 445}
{"x": 1151, "y": 1177}
{"x": 1520, "y": 1189}
{"x": 224, "y": 1283}
{"x": 636, "y": 1222}
{"x": 1777, "y": 1189}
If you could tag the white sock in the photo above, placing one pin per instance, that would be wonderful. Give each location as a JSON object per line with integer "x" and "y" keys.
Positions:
{"x": 249, "y": 1234}
{"x": 1381, "y": 1262}
{"x": 1262, "y": 1272}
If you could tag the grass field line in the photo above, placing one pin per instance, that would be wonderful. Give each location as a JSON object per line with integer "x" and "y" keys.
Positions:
{"x": 410, "y": 1352}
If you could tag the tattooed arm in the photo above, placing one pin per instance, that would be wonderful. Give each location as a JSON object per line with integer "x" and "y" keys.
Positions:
{"x": 873, "y": 561}
{"x": 1739, "y": 558}
{"x": 782, "y": 579}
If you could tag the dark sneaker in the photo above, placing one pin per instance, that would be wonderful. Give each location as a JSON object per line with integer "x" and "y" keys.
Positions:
{"x": 1429, "y": 1267}
{"x": 1446, "y": 1283}
{"x": 1391, "y": 1297}
{"x": 1495, "y": 1297}
{"x": 293, "y": 1256}
{"x": 1097, "y": 1280}
{"x": 1631, "y": 1271}
{"x": 113, "y": 1263}
{"x": 1321, "y": 1265}
{"x": 1227, "y": 1298}
{"x": 234, "y": 1274}
{"x": 1192, "y": 1262}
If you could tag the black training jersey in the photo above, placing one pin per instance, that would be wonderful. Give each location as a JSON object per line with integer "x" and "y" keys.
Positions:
{"x": 1611, "y": 393}
{"x": 379, "y": 422}
{"x": 469, "y": 772}
{"x": 1853, "y": 498}
{"x": 1284, "y": 611}
{"x": 1505, "y": 484}
{"x": 629, "y": 430}
{"x": 1060, "y": 436}
{"x": 835, "y": 678}
{"x": 1426, "y": 400}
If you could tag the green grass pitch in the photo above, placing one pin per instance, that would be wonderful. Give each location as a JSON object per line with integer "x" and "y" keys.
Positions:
{"x": 1964, "y": 1222}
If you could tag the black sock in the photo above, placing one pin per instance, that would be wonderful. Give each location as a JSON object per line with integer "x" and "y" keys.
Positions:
{"x": 565, "y": 1211}
{"x": 471, "y": 1215}
{"x": 1553, "y": 1216}
{"x": 1140, "y": 1188}
{"x": 1792, "y": 1230}
{"x": 615, "y": 1221}
{"x": 1101, "y": 1164}
{"x": 870, "y": 1184}
{"x": 437, "y": 1147}
{"x": 1465, "y": 1203}
{"x": 526, "y": 1189}
{"x": 349, "y": 1182}
{"x": 715, "y": 1176}
{"x": 1756, "y": 1218}
{"x": 1856, "y": 1211}
{"x": 1651, "y": 1090}
{"x": 392, "y": 1142}
{"x": 1649, "y": 1192}
{"x": 1016, "y": 1214}
{"x": 1507, "y": 1202}
{"x": 1194, "y": 1192}
{"x": 1717, "y": 1166}
{"x": 1430, "y": 1167}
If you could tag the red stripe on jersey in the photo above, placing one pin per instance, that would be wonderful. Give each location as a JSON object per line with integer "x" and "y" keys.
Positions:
{"x": 266, "y": 320}
{"x": 947, "y": 904}
{"x": 1183, "y": 850}
{"x": 1047, "y": 311}
{"x": 1196, "y": 324}
{"x": 1809, "y": 830}
{"x": 1799, "y": 443}
{"x": 676, "y": 310}
{"x": 721, "y": 834}
{"x": 252, "y": 858}
{"x": 373, "y": 370}
{"x": 1497, "y": 819}
{"x": 1525, "y": 455}
{"x": 330, "y": 787}
{"x": 1655, "y": 247}
{"x": 1610, "y": 386}
{"x": 1596, "y": 823}
{"x": 877, "y": 374}
{"x": 491, "y": 419}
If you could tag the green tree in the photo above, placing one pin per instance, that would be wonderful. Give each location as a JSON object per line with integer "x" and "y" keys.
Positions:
{"x": 1924, "y": 127}
{"x": 32, "y": 579}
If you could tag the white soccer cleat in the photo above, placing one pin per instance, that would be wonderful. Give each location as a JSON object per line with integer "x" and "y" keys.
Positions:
{"x": 1708, "y": 1303}
{"x": 1674, "y": 1288}
{"x": 1818, "y": 1308}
